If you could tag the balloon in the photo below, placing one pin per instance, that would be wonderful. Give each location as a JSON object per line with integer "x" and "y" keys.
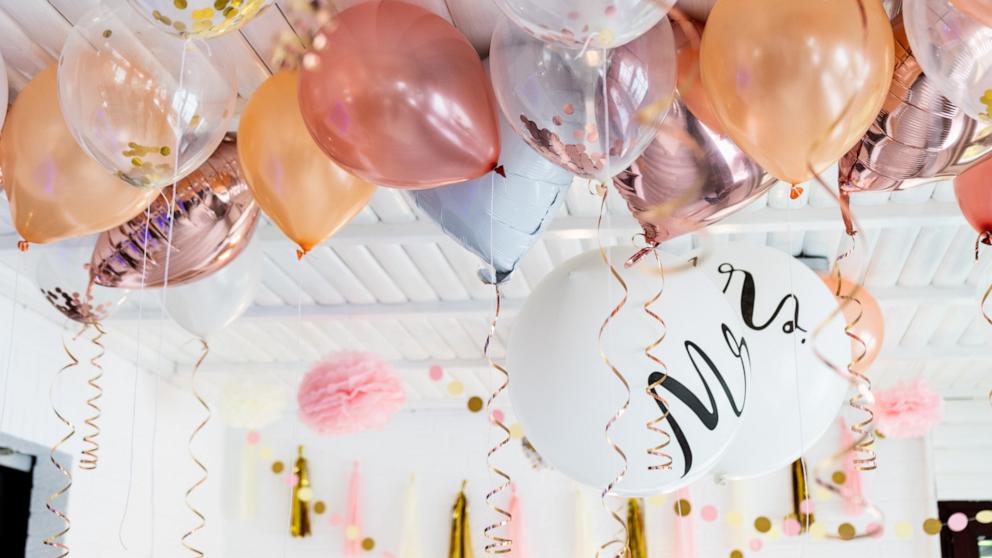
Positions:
{"x": 796, "y": 82}
{"x": 564, "y": 394}
{"x": 398, "y": 97}
{"x": 974, "y": 193}
{"x": 212, "y": 219}
{"x": 61, "y": 274}
{"x": 953, "y": 49}
{"x": 870, "y": 327}
{"x": 594, "y": 24}
{"x": 55, "y": 190}
{"x": 199, "y": 18}
{"x": 496, "y": 217}
{"x": 688, "y": 178}
{"x": 698, "y": 10}
{"x": 206, "y": 307}
{"x": 306, "y": 194}
{"x": 688, "y": 35}
{"x": 148, "y": 106}
{"x": 3, "y": 91}
{"x": 919, "y": 136}
{"x": 980, "y": 10}
{"x": 794, "y": 397}
{"x": 552, "y": 95}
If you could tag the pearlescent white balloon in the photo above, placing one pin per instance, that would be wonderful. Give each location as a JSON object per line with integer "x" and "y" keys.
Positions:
{"x": 593, "y": 23}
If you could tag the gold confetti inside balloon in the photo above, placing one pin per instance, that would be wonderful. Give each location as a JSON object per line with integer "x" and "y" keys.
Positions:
{"x": 199, "y": 18}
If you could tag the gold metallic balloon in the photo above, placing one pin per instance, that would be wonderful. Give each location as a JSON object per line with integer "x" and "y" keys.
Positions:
{"x": 55, "y": 190}
{"x": 306, "y": 194}
{"x": 796, "y": 83}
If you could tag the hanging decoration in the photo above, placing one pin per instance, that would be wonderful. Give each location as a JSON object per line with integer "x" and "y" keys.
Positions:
{"x": 851, "y": 490}
{"x": 591, "y": 112}
{"x": 461, "y": 532}
{"x": 90, "y": 458}
{"x": 75, "y": 196}
{"x": 792, "y": 109}
{"x": 516, "y": 526}
{"x": 497, "y": 532}
{"x": 199, "y": 18}
{"x": 300, "y": 516}
{"x": 919, "y": 136}
{"x": 58, "y": 540}
{"x": 801, "y": 498}
{"x": 909, "y": 409}
{"x": 596, "y": 24}
{"x": 64, "y": 281}
{"x": 870, "y": 326}
{"x": 200, "y": 227}
{"x": 410, "y": 543}
{"x": 350, "y": 392}
{"x": 384, "y": 71}
{"x": 201, "y": 519}
{"x": 353, "y": 515}
{"x": 637, "y": 546}
{"x": 148, "y": 106}
{"x": 308, "y": 196}
{"x": 972, "y": 190}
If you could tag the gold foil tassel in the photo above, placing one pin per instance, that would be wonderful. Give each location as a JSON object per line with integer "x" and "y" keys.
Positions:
{"x": 461, "y": 532}
{"x": 499, "y": 544}
{"x": 54, "y": 540}
{"x": 637, "y": 544}
{"x": 300, "y": 520}
{"x": 665, "y": 460}
{"x": 91, "y": 447}
{"x": 202, "y": 521}
{"x": 800, "y": 495}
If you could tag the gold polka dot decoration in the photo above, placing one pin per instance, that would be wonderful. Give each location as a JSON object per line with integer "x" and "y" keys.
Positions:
{"x": 351, "y": 532}
{"x": 278, "y": 467}
{"x": 932, "y": 526}
{"x": 763, "y": 524}
{"x": 475, "y": 404}
{"x": 984, "y": 517}
{"x": 683, "y": 508}
{"x": 265, "y": 453}
{"x": 733, "y": 518}
{"x": 839, "y": 477}
{"x": 319, "y": 507}
{"x": 817, "y": 531}
{"x": 736, "y": 554}
{"x": 368, "y": 543}
{"x": 846, "y": 531}
{"x": 904, "y": 530}
{"x": 456, "y": 388}
{"x": 656, "y": 500}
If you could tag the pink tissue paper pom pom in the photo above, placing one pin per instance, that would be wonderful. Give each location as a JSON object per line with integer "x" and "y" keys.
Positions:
{"x": 908, "y": 410}
{"x": 350, "y": 392}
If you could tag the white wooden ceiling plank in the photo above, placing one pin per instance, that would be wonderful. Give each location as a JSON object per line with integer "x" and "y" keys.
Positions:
{"x": 456, "y": 337}
{"x": 371, "y": 338}
{"x": 401, "y": 269}
{"x": 981, "y": 270}
{"x": 300, "y": 272}
{"x": 889, "y": 256}
{"x": 250, "y": 69}
{"x": 790, "y": 242}
{"x": 437, "y": 270}
{"x": 255, "y": 352}
{"x": 925, "y": 322}
{"x": 400, "y": 338}
{"x": 537, "y": 263}
{"x": 42, "y": 22}
{"x": 392, "y": 206}
{"x": 679, "y": 246}
{"x": 941, "y": 375}
{"x": 924, "y": 258}
{"x": 266, "y": 297}
{"x": 978, "y": 333}
{"x": 780, "y": 196}
{"x": 273, "y": 340}
{"x": 477, "y": 329}
{"x": 22, "y": 56}
{"x": 284, "y": 285}
{"x": 958, "y": 259}
{"x": 868, "y": 198}
{"x": 319, "y": 338}
{"x": 422, "y": 330}
{"x": 366, "y": 216}
{"x": 367, "y": 269}
{"x": 466, "y": 267}
{"x": 343, "y": 337}
{"x": 561, "y": 250}
{"x": 333, "y": 269}
{"x": 916, "y": 195}
{"x": 897, "y": 320}
{"x": 298, "y": 341}
{"x": 517, "y": 287}
{"x": 474, "y": 386}
{"x": 976, "y": 377}
{"x": 822, "y": 244}
{"x": 952, "y": 327}
{"x": 944, "y": 191}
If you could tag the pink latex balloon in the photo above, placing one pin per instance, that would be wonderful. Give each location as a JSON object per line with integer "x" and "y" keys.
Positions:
{"x": 399, "y": 97}
{"x": 974, "y": 192}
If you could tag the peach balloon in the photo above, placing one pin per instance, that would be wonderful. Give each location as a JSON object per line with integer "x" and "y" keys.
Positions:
{"x": 973, "y": 189}
{"x": 796, "y": 83}
{"x": 55, "y": 190}
{"x": 870, "y": 328}
{"x": 306, "y": 194}
{"x": 688, "y": 36}
{"x": 980, "y": 10}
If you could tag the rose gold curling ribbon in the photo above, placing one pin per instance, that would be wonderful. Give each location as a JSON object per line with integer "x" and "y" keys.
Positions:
{"x": 90, "y": 459}
{"x": 621, "y": 536}
{"x": 189, "y": 446}
{"x": 985, "y": 238}
{"x": 658, "y": 451}
{"x": 499, "y": 544}
{"x": 832, "y": 463}
{"x": 53, "y": 540}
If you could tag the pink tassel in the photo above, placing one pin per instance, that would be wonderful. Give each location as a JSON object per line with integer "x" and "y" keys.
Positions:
{"x": 353, "y": 526}
{"x": 516, "y": 526}
{"x": 852, "y": 486}
{"x": 685, "y": 532}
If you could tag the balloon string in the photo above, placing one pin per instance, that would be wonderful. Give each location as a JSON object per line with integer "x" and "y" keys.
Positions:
{"x": 666, "y": 460}
{"x": 53, "y": 540}
{"x": 985, "y": 238}
{"x": 90, "y": 459}
{"x": 621, "y": 535}
{"x": 202, "y": 520}
{"x": 499, "y": 544}
{"x": 832, "y": 463}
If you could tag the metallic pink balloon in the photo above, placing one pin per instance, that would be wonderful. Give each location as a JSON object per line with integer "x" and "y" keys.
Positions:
{"x": 689, "y": 177}
{"x": 399, "y": 97}
{"x": 212, "y": 222}
{"x": 919, "y": 136}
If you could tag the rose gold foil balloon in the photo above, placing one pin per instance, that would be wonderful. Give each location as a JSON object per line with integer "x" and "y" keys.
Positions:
{"x": 212, "y": 219}
{"x": 870, "y": 326}
{"x": 796, "y": 83}
{"x": 305, "y": 194}
{"x": 55, "y": 190}
{"x": 918, "y": 137}
{"x": 399, "y": 97}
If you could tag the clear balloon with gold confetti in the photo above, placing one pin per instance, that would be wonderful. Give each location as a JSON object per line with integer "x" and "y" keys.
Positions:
{"x": 199, "y": 18}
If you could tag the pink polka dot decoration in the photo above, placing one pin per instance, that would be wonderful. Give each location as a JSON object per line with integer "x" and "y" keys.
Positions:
{"x": 388, "y": 554}
{"x": 435, "y": 373}
{"x": 875, "y": 530}
{"x": 756, "y": 545}
{"x": 807, "y": 507}
{"x": 957, "y": 522}
{"x": 791, "y": 527}
{"x": 253, "y": 437}
{"x": 498, "y": 416}
{"x": 708, "y": 513}
{"x": 335, "y": 520}
{"x": 291, "y": 480}
{"x": 350, "y": 392}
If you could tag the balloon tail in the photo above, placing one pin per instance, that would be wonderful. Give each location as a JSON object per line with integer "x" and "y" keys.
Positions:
{"x": 23, "y": 245}
{"x": 850, "y": 498}
{"x": 202, "y": 521}
{"x": 499, "y": 544}
{"x": 985, "y": 238}
{"x": 665, "y": 460}
{"x": 90, "y": 458}
{"x": 54, "y": 540}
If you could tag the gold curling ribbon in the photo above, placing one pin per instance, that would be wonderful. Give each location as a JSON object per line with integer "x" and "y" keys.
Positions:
{"x": 620, "y": 538}
{"x": 461, "y": 532}
{"x": 666, "y": 460}
{"x": 91, "y": 447}
{"x": 800, "y": 494}
{"x": 985, "y": 238}
{"x": 202, "y": 521}
{"x": 831, "y": 464}
{"x": 499, "y": 544}
{"x": 300, "y": 519}
{"x": 53, "y": 540}
{"x": 636, "y": 542}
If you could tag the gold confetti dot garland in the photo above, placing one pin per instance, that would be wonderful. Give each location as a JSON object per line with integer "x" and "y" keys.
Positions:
{"x": 201, "y": 520}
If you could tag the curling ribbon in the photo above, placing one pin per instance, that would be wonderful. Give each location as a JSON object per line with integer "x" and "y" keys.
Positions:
{"x": 584, "y": 529}
{"x": 516, "y": 525}
{"x": 985, "y": 238}
{"x": 874, "y": 512}
{"x": 300, "y": 518}
{"x": 91, "y": 447}
{"x": 852, "y": 486}
{"x": 665, "y": 459}
{"x": 53, "y": 540}
{"x": 800, "y": 496}
{"x": 620, "y": 538}
{"x": 499, "y": 544}
{"x": 410, "y": 544}
{"x": 202, "y": 521}
{"x": 636, "y": 543}
{"x": 685, "y": 530}
{"x": 461, "y": 537}
{"x": 352, "y": 514}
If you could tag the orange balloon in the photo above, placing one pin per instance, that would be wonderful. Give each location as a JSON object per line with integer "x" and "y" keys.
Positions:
{"x": 870, "y": 328}
{"x": 55, "y": 189}
{"x": 688, "y": 35}
{"x": 306, "y": 194}
{"x": 796, "y": 83}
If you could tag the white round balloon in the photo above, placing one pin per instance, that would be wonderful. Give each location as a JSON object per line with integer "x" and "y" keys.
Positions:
{"x": 793, "y": 397}
{"x": 564, "y": 395}
{"x": 3, "y": 91}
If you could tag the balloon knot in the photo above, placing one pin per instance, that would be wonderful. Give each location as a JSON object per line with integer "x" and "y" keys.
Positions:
{"x": 300, "y": 253}
{"x": 632, "y": 261}
{"x": 23, "y": 245}
{"x": 986, "y": 238}
{"x": 500, "y": 171}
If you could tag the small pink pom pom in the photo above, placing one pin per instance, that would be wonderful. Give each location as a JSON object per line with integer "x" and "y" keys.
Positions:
{"x": 908, "y": 410}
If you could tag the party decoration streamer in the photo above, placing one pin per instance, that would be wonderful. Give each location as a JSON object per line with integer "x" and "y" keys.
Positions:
{"x": 637, "y": 545}
{"x": 353, "y": 516}
{"x": 53, "y": 540}
{"x": 876, "y": 518}
{"x": 461, "y": 532}
{"x": 852, "y": 483}
{"x": 410, "y": 543}
{"x": 621, "y": 536}
{"x": 189, "y": 446}
{"x": 90, "y": 459}
{"x": 685, "y": 532}
{"x": 516, "y": 526}
{"x": 801, "y": 496}
{"x": 300, "y": 520}
{"x": 665, "y": 459}
{"x": 499, "y": 544}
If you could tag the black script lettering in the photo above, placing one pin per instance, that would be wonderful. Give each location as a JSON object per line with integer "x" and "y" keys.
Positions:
{"x": 747, "y": 301}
